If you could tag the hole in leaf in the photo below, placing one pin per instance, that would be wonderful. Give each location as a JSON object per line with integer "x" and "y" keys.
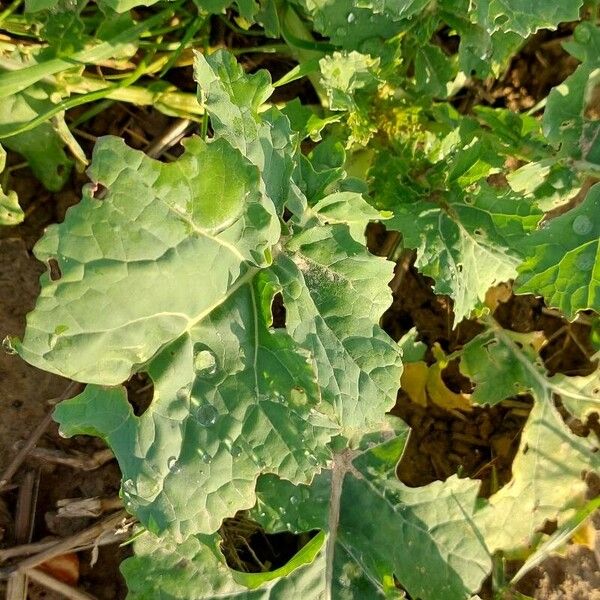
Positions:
{"x": 98, "y": 191}
{"x": 278, "y": 313}
{"x": 55, "y": 273}
{"x": 140, "y": 391}
{"x": 247, "y": 547}
{"x": 480, "y": 444}
{"x": 525, "y": 449}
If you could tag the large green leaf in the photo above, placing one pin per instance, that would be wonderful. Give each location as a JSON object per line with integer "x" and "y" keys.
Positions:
{"x": 233, "y": 101}
{"x": 423, "y": 537}
{"x": 566, "y": 120}
{"x": 547, "y": 481}
{"x": 563, "y": 259}
{"x": 525, "y": 18}
{"x": 503, "y": 365}
{"x": 172, "y": 269}
{"x": 547, "y": 471}
{"x": 466, "y": 241}
{"x": 196, "y": 569}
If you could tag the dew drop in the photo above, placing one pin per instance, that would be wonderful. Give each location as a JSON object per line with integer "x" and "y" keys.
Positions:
{"x": 278, "y": 397}
{"x": 257, "y": 460}
{"x": 207, "y": 415}
{"x": 52, "y": 341}
{"x": 585, "y": 262}
{"x": 582, "y": 225}
{"x": 311, "y": 458}
{"x": 294, "y": 500}
{"x": 351, "y": 18}
{"x": 236, "y": 450}
{"x": 582, "y": 34}
{"x": 7, "y": 345}
{"x": 205, "y": 363}
{"x": 183, "y": 394}
{"x": 171, "y": 462}
{"x": 129, "y": 486}
{"x": 206, "y": 457}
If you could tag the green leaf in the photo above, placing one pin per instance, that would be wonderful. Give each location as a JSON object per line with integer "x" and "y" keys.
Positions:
{"x": 42, "y": 147}
{"x": 10, "y": 211}
{"x": 502, "y": 366}
{"x": 412, "y": 350}
{"x": 235, "y": 395}
{"x": 233, "y": 101}
{"x": 66, "y": 5}
{"x": 433, "y": 70}
{"x": 547, "y": 470}
{"x": 547, "y": 481}
{"x": 343, "y": 73}
{"x": 353, "y": 23}
{"x": 466, "y": 241}
{"x": 196, "y": 569}
{"x": 409, "y": 532}
{"x": 563, "y": 259}
{"x": 523, "y": 18}
{"x": 579, "y": 395}
{"x": 566, "y": 120}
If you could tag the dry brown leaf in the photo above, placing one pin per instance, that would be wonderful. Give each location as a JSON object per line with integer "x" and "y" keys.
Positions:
{"x": 65, "y": 568}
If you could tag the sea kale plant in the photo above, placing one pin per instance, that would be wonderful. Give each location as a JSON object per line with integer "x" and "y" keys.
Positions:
{"x": 236, "y": 276}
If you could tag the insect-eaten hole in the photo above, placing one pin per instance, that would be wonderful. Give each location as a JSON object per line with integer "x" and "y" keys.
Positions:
{"x": 480, "y": 444}
{"x": 278, "y": 312}
{"x": 54, "y": 269}
{"x": 248, "y": 548}
{"x": 98, "y": 191}
{"x": 140, "y": 391}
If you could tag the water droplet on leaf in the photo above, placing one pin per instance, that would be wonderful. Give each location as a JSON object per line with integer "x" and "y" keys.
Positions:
{"x": 311, "y": 458}
{"x": 171, "y": 462}
{"x": 582, "y": 34}
{"x": 294, "y": 500}
{"x": 205, "y": 363}
{"x": 582, "y": 225}
{"x": 129, "y": 486}
{"x": 236, "y": 451}
{"x": 183, "y": 394}
{"x": 585, "y": 262}
{"x": 207, "y": 415}
{"x": 351, "y": 18}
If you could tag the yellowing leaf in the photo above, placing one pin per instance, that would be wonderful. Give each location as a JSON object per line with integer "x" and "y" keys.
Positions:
{"x": 423, "y": 384}
{"x": 414, "y": 381}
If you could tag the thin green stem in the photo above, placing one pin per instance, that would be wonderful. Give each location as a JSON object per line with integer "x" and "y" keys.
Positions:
{"x": 185, "y": 40}
{"x": 72, "y": 102}
{"x": 11, "y": 9}
{"x": 239, "y": 30}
